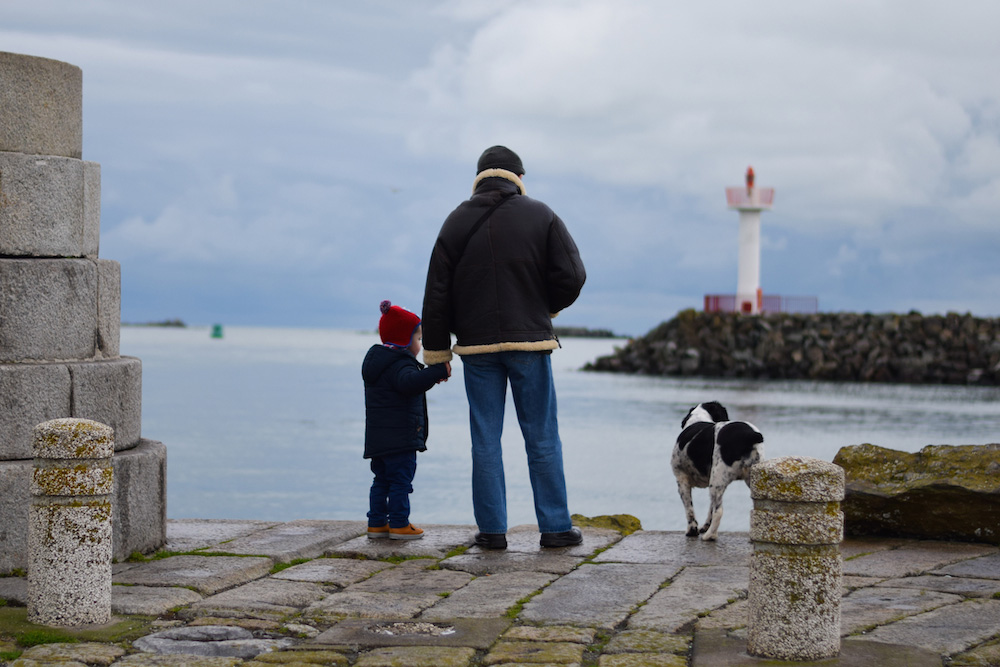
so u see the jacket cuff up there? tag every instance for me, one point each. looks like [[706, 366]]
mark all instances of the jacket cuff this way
[[432, 357]]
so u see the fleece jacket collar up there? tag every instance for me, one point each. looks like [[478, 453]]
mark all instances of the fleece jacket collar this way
[[499, 173]]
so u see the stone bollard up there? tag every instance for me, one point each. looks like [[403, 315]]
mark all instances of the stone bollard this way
[[69, 523], [796, 569]]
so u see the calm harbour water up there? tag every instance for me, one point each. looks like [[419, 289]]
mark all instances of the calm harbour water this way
[[268, 423]]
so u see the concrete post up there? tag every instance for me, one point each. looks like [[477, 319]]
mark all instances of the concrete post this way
[[796, 569], [69, 523]]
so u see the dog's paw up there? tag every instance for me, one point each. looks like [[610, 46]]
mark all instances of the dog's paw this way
[[692, 531], [708, 537]]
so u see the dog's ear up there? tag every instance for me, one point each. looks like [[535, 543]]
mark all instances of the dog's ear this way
[[687, 416]]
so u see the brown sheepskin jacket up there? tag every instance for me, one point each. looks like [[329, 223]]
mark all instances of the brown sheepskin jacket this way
[[519, 269]]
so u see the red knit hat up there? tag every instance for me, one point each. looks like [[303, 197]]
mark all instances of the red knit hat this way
[[397, 325]]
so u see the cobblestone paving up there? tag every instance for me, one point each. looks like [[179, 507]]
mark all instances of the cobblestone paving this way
[[257, 594]]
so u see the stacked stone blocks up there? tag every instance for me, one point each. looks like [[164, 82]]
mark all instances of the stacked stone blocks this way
[[60, 308]]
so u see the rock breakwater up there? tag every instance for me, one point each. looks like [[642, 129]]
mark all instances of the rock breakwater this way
[[856, 347]]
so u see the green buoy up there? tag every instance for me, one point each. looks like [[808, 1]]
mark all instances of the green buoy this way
[[216, 331]]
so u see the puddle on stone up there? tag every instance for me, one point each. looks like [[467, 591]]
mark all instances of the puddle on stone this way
[[412, 628]]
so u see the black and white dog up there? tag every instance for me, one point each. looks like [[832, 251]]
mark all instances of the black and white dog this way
[[714, 452]]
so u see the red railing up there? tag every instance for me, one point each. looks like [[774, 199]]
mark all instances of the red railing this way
[[770, 303]]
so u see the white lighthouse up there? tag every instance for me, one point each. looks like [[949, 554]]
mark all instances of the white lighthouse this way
[[749, 201]]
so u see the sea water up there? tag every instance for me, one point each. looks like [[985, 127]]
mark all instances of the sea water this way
[[268, 423]]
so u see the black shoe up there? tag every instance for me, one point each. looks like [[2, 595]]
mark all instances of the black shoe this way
[[569, 538], [491, 540]]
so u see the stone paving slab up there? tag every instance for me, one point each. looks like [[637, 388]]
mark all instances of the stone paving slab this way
[[293, 540], [913, 558], [150, 600], [348, 603], [983, 567], [717, 648], [14, 589], [340, 572], [551, 633], [268, 598], [867, 607], [597, 595], [90, 653], [964, 586], [560, 653], [175, 660], [209, 641], [295, 656], [420, 656], [642, 660], [856, 546], [693, 591], [480, 562], [488, 596], [986, 654], [675, 548], [731, 617], [947, 630], [850, 582], [438, 541], [648, 641], [192, 534], [413, 578], [206, 574], [479, 633]]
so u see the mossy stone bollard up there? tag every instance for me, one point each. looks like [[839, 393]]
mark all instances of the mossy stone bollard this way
[[796, 568], [69, 523]]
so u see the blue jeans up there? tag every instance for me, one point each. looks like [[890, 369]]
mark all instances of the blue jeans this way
[[530, 377], [389, 499]]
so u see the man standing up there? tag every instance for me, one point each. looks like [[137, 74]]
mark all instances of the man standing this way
[[503, 265]]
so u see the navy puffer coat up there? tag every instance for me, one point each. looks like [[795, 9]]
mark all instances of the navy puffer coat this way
[[395, 401]]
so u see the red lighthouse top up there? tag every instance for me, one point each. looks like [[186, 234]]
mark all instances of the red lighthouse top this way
[[750, 198]]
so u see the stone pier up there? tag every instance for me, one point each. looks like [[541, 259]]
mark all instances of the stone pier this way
[[60, 309]]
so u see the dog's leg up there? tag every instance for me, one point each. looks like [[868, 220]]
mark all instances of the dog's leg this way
[[684, 489], [716, 487]]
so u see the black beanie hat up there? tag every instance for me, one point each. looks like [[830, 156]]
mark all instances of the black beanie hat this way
[[500, 157]]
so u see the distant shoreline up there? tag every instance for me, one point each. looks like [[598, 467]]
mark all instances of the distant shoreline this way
[[176, 323], [584, 332], [566, 332]]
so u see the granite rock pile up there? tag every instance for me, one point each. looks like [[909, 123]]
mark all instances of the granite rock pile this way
[[911, 348]]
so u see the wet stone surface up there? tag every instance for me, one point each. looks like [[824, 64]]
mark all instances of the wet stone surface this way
[[597, 595], [865, 608], [206, 574], [655, 598], [677, 549]]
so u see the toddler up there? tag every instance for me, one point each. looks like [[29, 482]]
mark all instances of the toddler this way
[[396, 420]]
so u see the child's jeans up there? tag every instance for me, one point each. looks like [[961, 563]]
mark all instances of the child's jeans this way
[[389, 500]]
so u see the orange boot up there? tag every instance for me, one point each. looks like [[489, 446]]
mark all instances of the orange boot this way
[[409, 532], [378, 532]]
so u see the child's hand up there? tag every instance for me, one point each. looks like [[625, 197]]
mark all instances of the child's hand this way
[[447, 367]]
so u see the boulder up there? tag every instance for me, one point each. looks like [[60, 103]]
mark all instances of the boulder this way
[[942, 492]]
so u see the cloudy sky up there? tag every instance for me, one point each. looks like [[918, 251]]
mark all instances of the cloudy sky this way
[[290, 163]]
